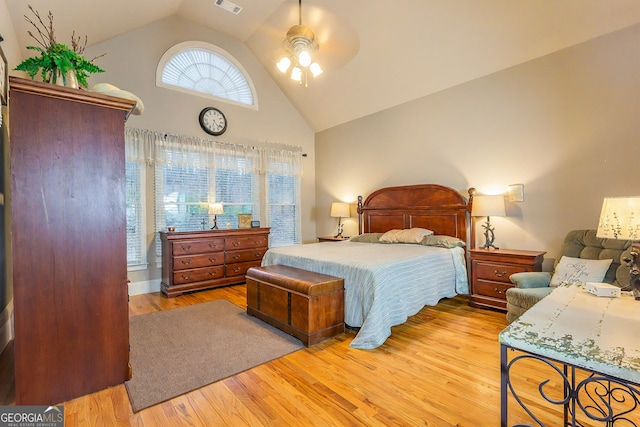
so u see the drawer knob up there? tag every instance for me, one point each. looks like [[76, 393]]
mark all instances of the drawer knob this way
[[504, 273], [186, 276], [213, 245], [185, 248], [212, 259], [212, 273], [236, 269], [186, 262], [235, 244], [498, 291], [258, 254]]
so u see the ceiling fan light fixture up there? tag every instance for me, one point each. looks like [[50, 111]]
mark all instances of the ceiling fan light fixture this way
[[284, 64], [300, 44], [296, 74], [315, 69], [304, 58]]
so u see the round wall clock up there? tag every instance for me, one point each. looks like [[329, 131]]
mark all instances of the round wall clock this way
[[212, 121]]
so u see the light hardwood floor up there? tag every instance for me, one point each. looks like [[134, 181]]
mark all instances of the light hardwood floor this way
[[440, 368]]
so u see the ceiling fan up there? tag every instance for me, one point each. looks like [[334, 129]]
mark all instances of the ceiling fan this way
[[334, 41]]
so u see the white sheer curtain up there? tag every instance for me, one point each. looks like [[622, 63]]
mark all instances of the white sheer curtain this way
[[189, 172]]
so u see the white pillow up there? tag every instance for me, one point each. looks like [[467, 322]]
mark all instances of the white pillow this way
[[579, 270], [411, 235]]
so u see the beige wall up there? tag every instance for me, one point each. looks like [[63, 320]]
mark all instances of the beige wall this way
[[565, 125]]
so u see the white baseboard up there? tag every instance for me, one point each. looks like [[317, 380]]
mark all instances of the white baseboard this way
[[6, 325], [144, 287]]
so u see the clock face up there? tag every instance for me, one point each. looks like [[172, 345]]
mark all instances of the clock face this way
[[213, 121]]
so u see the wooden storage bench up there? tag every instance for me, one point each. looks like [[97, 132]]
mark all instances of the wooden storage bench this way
[[307, 305]]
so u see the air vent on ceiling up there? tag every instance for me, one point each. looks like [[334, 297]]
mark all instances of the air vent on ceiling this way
[[228, 6]]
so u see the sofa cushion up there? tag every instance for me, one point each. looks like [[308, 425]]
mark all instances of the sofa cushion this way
[[531, 279]]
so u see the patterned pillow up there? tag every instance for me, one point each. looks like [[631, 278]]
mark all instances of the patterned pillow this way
[[411, 235], [571, 270]]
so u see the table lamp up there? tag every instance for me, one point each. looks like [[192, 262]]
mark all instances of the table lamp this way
[[215, 209], [488, 206], [620, 219], [340, 210]]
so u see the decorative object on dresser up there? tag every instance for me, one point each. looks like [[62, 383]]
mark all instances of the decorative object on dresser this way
[[68, 261], [196, 260], [340, 210], [620, 220], [488, 206], [215, 209], [244, 220], [490, 271]]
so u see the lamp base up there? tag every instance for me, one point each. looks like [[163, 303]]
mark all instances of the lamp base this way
[[634, 272], [215, 223], [489, 236]]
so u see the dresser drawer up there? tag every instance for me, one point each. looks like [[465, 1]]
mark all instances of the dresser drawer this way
[[497, 272], [198, 274], [491, 289], [242, 256], [236, 243], [240, 268], [195, 261], [197, 247]]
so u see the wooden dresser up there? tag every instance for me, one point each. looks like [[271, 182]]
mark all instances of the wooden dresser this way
[[195, 260], [67, 262], [490, 271]]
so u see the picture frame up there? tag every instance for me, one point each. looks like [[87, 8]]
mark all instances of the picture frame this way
[[244, 220], [255, 224], [4, 78]]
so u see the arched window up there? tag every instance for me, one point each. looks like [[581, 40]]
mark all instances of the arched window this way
[[206, 70]]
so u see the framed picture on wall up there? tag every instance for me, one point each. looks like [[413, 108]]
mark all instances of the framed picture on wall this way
[[244, 220], [4, 77]]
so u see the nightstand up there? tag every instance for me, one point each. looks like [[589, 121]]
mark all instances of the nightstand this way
[[490, 271], [332, 239]]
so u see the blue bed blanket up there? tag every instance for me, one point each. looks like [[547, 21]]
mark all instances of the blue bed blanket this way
[[384, 283]]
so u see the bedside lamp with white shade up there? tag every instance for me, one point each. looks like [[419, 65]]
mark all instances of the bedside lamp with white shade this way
[[620, 219], [488, 206], [340, 210]]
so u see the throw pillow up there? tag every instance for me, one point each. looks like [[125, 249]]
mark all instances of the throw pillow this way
[[442, 241], [571, 270], [367, 238], [411, 235]]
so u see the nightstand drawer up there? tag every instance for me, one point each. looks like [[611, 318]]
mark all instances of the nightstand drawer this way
[[497, 272], [492, 289]]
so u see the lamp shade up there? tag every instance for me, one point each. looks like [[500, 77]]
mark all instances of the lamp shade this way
[[215, 208], [488, 206], [340, 210], [620, 218]]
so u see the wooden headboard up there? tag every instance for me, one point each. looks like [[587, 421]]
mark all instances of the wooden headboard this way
[[431, 206]]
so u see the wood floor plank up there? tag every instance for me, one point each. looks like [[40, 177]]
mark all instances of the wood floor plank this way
[[440, 368]]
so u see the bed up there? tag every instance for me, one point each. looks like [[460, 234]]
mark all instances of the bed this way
[[387, 283]]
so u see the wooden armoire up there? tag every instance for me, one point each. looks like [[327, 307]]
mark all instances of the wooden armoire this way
[[67, 229]]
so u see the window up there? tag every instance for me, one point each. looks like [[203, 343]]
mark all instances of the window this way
[[136, 248], [204, 69], [189, 173], [284, 209]]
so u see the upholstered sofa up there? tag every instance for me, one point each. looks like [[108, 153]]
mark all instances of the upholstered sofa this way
[[531, 287]]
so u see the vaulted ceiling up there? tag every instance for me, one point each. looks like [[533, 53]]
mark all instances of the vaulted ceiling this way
[[375, 53]]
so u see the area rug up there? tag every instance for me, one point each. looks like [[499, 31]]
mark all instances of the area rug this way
[[179, 350]]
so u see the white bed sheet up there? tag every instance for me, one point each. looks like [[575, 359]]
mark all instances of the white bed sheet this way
[[384, 283]]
